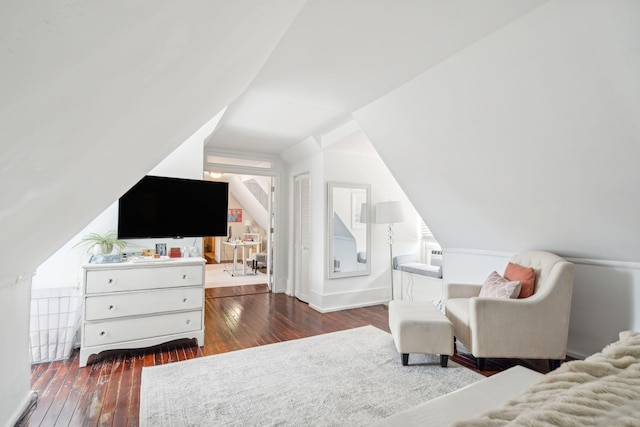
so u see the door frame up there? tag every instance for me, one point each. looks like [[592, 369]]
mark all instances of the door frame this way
[[276, 236]]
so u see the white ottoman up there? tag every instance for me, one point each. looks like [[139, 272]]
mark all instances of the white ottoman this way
[[419, 327]]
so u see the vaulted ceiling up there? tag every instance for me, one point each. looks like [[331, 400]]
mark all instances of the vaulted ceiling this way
[[338, 56], [95, 94]]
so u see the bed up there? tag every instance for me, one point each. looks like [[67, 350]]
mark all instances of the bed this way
[[602, 390]]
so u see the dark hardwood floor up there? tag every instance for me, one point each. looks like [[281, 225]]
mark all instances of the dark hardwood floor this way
[[106, 391]]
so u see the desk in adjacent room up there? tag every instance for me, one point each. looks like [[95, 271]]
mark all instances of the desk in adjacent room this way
[[243, 244]]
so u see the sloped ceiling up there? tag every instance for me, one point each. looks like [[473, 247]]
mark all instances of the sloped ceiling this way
[[338, 56], [528, 139], [95, 94]]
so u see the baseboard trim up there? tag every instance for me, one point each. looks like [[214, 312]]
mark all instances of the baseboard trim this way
[[477, 252], [326, 303], [29, 403], [348, 307], [576, 260], [629, 265]]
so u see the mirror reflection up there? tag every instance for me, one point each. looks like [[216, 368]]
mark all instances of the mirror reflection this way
[[348, 240]]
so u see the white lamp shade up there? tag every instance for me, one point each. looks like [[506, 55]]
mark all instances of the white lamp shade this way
[[389, 212], [247, 223]]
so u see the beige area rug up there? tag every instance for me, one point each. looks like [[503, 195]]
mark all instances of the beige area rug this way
[[347, 378], [215, 276]]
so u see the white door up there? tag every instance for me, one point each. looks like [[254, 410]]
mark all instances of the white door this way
[[301, 236]]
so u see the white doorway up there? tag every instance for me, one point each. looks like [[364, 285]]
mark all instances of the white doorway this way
[[251, 212]]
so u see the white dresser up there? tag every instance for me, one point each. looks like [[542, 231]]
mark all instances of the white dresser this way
[[141, 304]]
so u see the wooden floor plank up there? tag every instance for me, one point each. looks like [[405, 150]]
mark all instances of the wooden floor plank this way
[[67, 373], [107, 391], [84, 385]]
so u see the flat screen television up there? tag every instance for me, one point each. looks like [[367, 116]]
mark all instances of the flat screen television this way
[[173, 208]]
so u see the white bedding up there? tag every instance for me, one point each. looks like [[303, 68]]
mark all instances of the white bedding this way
[[602, 390]]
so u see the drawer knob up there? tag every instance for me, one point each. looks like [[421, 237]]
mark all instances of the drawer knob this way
[[184, 299], [184, 276], [102, 333], [110, 281], [111, 307], [188, 322]]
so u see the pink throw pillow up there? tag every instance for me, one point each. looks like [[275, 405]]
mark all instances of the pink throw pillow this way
[[497, 286]]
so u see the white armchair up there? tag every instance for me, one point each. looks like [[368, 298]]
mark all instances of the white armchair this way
[[536, 327]]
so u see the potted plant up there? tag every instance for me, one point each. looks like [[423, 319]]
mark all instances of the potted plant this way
[[102, 244]]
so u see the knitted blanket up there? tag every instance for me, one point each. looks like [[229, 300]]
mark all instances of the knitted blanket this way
[[602, 390]]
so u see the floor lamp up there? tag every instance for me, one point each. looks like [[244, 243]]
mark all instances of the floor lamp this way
[[389, 213]]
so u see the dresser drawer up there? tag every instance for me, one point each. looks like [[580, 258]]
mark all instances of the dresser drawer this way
[[137, 303], [121, 330], [114, 280]]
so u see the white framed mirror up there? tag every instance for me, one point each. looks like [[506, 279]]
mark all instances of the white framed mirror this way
[[348, 230]]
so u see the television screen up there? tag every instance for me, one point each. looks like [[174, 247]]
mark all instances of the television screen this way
[[173, 208]]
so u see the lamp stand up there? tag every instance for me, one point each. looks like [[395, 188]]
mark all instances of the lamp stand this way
[[390, 240], [389, 213]]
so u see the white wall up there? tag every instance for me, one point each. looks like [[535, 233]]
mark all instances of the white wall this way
[[369, 169], [99, 96], [15, 394], [529, 139], [606, 300], [335, 164], [62, 269]]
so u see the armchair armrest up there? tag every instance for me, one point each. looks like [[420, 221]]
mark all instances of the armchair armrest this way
[[461, 290], [498, 324]]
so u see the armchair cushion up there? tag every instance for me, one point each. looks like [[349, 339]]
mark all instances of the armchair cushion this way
[[525, 275], [497, 286]]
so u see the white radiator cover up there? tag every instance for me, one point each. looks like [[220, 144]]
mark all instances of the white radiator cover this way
[[430, 253], [55, 320]]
